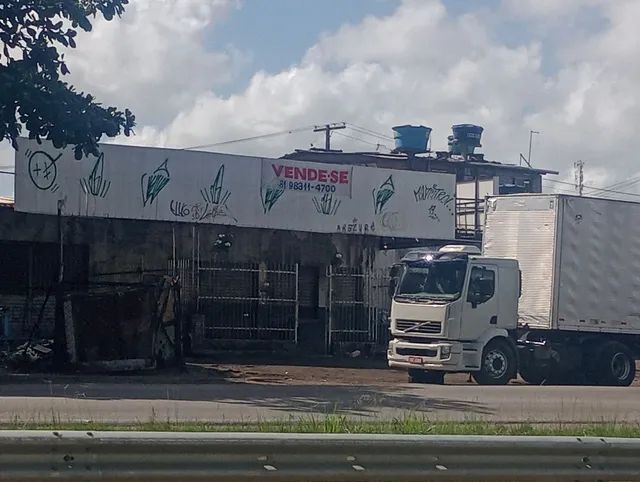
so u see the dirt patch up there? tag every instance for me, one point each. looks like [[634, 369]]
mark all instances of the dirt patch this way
[[324, 371], [322, 375]]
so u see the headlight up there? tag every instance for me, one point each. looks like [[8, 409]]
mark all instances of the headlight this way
[[445, 351]]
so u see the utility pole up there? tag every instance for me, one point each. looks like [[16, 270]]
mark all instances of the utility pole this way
[[578, 168], [59, 330], [327, 128], [531, 133]]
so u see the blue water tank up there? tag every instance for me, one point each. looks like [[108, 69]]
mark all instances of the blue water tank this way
[[465, 138], [411, 139]]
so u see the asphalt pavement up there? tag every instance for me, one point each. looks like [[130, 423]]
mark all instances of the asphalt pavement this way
[[233, 401]]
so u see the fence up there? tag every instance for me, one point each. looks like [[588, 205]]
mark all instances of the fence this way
[[248, 301], [185, 270], [358, 308], [469, 218], [264, 302], [82, 455]]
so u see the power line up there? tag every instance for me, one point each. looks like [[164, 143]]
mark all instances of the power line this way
[[252, 138], [377, 145], [595, 188], [371, 132], [624, 184], [11, 173]]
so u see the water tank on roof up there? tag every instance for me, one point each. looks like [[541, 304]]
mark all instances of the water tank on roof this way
[[411, 139], [465, 138]]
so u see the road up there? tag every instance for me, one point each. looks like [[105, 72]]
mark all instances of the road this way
[[238, 401]]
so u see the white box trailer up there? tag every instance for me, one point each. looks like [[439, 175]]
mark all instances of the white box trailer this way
[[579, 259], [554, 297]]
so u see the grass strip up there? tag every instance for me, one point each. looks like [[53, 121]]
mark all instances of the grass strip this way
[[338, 424]]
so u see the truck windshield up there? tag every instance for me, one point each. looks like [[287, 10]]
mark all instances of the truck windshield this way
[[436, 280]]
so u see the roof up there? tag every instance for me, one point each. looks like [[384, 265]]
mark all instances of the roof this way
[[444, 160]]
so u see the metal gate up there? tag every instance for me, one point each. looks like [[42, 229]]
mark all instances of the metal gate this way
[[358, 308], [251, 302], [185, 271]]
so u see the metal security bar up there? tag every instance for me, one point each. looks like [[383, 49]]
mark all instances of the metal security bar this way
[[184, 269], [82, 455], [359, 307], [249, 301]]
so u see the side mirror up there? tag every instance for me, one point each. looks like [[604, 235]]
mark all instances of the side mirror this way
[[474, 298]]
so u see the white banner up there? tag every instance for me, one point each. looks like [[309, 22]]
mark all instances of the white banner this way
[[201, 187], [308, 177]]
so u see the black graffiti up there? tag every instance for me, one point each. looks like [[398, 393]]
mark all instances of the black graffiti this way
[[153, 183], [199, 211], [432, 213], [179, 209], [433, 193], [356, 227], [43, 170], [327, 204], [96, 184], [383, 194]]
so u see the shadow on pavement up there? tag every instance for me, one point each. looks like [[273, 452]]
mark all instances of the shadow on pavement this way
[[298, 399]]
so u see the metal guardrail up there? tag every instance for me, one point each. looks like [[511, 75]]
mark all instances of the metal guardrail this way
[[150, 456]]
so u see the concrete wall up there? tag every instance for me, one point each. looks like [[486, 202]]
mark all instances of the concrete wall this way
[[117, 245]]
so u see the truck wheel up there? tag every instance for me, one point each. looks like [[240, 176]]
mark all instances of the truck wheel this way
[[616, 366], [425, 376], [498, 364]]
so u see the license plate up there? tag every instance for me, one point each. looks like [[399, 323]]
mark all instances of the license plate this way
[[416, 360]]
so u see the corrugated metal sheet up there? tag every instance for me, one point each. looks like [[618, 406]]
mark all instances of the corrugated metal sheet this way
[[523, 228], [599, 281]]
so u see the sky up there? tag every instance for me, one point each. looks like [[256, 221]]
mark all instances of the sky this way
[[199, 72]]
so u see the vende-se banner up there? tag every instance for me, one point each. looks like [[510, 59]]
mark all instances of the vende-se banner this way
[[307, 177], [205, 187]]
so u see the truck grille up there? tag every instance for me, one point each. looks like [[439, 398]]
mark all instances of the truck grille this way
[[417, 352], [419, 327]]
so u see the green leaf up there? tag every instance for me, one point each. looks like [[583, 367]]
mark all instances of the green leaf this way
[[33, 95]]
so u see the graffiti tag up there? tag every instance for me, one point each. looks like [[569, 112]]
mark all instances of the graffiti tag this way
[[356, 227], [383, 194], [95, 183], [327, 204], [43, 170], [153, 183], [433, 193]]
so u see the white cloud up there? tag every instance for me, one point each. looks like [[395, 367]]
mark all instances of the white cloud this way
[[153, 59], [421, 64]]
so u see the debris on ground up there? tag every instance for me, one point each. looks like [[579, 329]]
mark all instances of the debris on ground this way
[[32, 355]]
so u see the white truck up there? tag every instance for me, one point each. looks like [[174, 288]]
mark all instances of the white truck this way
[[554, 296]]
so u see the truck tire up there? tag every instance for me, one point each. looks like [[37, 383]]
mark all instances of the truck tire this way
[[426, 376], [616, 365], [498, 364]]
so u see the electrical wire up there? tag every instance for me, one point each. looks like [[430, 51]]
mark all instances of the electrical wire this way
[[370, 132], [595, 188], [252, 138], [377, 145], [11, 173], [627, 183]]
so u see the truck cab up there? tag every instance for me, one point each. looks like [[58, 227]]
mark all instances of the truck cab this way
[[453, 311]]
